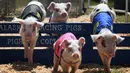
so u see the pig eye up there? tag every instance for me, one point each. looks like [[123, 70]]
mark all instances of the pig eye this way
[[103, 43], [30, 25], [66, 9], [56, 9], [79, 49], [23, 29], [97, 10], [34, 29], [69, 49]]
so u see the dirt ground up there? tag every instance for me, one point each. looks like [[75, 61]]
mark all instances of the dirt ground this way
[[83, 18], [23, 67]]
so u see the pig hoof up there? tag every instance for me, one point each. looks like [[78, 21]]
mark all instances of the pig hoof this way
[[108, 71], [30, 62], [54, 71], [72, 72]]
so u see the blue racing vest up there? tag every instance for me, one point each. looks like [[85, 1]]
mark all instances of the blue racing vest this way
[[102, 20]]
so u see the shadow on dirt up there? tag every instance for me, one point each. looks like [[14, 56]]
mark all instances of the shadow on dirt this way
[[24, 66]]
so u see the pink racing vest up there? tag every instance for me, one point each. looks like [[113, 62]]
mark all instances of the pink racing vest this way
[[58, 48]]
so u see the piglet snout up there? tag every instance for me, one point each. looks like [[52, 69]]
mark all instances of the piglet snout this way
[[28, 36], [111, 54], [64, 14], [75, 55]]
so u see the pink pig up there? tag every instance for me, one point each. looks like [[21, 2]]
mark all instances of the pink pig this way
[[32, 15], [60, 11], [67, 52]]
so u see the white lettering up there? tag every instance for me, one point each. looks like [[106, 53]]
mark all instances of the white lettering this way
[[73, 27], [14, 41], [52, 27], [56, 27], [47, 41], [46, 27], [67, 27], [9, 27]]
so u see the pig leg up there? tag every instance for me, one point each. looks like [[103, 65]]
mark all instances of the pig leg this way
[[75, 67], [56, 63], [102, 57], [32, 45], [56, 60], [64, 66], [26, 50], [106, 62]]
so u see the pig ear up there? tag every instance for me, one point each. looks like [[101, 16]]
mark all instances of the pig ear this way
[[81, 41], [96, 37], [39, 24], [68, 4], [64, 43], [118, 38], [15, 19], [51, 6]]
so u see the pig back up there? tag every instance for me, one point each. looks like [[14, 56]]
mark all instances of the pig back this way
[[58, 48], [35, 9]]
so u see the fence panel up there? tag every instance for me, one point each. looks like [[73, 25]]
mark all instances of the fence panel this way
[[45, 56]]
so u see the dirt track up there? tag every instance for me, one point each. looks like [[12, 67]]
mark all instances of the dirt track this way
[[23, 67]]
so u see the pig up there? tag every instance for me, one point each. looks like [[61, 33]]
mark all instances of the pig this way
[[67, 52], [30, 21], [60, 11], [102, 18]]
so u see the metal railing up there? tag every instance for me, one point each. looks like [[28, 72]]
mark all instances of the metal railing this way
[[116, 10]]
